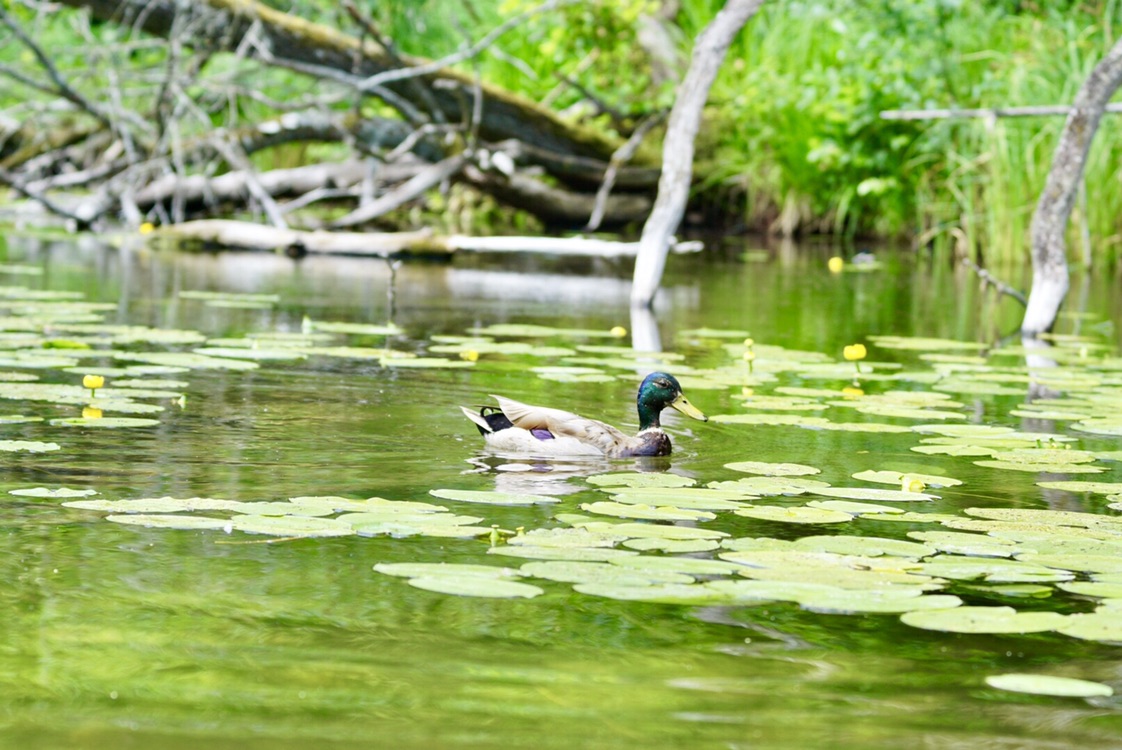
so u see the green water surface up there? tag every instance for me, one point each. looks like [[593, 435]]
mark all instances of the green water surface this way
[[115, 636]]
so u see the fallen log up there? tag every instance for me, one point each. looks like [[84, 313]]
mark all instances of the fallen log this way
[[234, 186], [242, 235], [557, 206]]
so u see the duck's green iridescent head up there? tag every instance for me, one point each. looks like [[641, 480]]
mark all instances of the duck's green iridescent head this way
[[659, 391]]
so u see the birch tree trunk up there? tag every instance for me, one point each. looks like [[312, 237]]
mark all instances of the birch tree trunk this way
[[677, 149], [1049, 223]]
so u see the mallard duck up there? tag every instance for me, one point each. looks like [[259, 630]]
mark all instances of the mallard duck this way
[[520, 428]]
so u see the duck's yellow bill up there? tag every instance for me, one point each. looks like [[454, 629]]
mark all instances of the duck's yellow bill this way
[[684, 406]]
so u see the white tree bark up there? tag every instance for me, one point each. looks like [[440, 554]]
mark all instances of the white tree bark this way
[[1049, 223], [677, 149]]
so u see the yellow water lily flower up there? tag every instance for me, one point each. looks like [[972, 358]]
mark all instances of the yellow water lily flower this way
[[854, 352], [470, 355], [835, 264], [93, 382], [147, 227], [911, 484], [618, 331]]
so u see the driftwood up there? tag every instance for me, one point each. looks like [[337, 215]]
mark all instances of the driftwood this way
[[1048, 110], [1049, 222], [170, 162], [241, 235], [554, 205], [677, 149]]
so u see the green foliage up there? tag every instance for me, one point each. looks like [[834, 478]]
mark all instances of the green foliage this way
[[793, 136], [797, 115]]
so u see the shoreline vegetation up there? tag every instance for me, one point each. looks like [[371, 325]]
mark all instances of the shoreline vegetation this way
[[521, 113]]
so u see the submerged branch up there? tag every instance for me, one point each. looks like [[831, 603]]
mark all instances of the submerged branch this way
[[990, 280]]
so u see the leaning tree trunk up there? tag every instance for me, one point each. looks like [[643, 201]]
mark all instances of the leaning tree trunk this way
[[677, 149], [1049, 223]]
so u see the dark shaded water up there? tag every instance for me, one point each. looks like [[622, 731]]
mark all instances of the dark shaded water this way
[[114, 636]]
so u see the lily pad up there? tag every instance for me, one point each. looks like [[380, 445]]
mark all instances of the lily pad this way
[[896, 478], [1040, 468], [959, 543], [1099, 589], [47, 492], [796, 514], [694, 501], [770, 419], [984, 620], [568, 571], [991, 569], [661, 513], [228, 296], [172, 521], [1103, 626], [1046, 517], [490, 497], [671, 546], [491, 588], [107, 423], [666, 593], [566, 538], [852, 508], [955, 450], [863, 545], [772, 469], [274, 355], [687, 565], [871, 493], [1061, 687], [419, 569], [533, 552], [635, 479], [187, 359], [765, 485], [158, 505], [875, 601], [295, 526], [27, 446], [432, 363], [1099, 488]]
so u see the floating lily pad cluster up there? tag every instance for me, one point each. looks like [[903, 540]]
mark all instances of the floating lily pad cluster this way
[[296, 517], [632, 533]]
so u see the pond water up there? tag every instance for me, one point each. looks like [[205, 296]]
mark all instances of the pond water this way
[[119, 635]]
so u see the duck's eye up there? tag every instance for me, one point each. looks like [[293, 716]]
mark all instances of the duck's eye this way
[[663, 384]]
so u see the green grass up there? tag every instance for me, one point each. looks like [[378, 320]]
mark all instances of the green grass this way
[[793, 136]]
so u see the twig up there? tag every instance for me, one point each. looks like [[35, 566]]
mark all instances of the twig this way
[[380, 79], [621, 156], [407, 191], [13, 182], [61, 86], [991, 280], [236, 157], [952, 114], [367, 25]]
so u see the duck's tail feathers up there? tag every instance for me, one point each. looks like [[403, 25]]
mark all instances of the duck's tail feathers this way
[[489, 419]]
